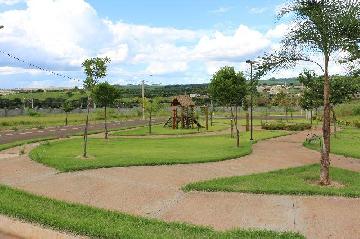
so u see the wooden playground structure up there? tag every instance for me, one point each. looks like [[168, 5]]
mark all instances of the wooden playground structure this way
[[186, 116]]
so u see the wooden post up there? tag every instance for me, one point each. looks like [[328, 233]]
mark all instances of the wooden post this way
[[182, 118], [174, 118], [192, 117]]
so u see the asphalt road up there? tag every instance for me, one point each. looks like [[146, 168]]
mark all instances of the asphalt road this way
[[63, 131]]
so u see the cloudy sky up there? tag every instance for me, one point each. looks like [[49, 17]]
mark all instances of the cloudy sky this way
[[160, 41]]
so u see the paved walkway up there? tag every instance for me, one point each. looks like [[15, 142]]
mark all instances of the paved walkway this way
[[156, 191]]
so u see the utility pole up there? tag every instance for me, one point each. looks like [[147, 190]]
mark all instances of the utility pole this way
[[251, 97], [143, 98]]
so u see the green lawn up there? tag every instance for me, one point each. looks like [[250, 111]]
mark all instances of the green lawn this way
[[346, 142], [65, 155], [22, 142], [161, 130], [295, 181], [99, 223]]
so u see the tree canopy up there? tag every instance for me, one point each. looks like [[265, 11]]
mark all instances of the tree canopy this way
[[342, 89], [228, 87], [95, 69], [105, 94]]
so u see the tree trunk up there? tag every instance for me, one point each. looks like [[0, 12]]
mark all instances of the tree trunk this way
[[232, 122], [66, 118], [207, 117], [211, 114], [86, 128], [334, 119], [106, 129], [150, 122], [236, 126], [325, 158], [311, 118], [247, 121]]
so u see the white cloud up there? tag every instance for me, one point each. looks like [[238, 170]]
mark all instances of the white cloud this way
[[166, 67], [243, 42], [279, 31], [8, 70], [257, 10], [59, 34], [117, 54]]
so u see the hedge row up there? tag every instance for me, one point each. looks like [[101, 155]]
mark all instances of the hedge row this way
[[285, 126]]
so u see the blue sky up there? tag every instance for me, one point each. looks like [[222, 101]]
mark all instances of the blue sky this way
[[190, 14], [176, 42]]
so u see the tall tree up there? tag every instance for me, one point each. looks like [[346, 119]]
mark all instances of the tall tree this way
[[95, 69], [105, 96], [229, 88], [325, 27]]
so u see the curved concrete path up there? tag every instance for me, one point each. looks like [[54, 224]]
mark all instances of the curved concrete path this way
[[155, 191]]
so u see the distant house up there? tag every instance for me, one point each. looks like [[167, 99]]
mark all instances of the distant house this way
[[276, 89]]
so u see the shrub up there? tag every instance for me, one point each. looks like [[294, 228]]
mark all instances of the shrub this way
[[32, 112], [357, 124], [286, 126], [356, 110]]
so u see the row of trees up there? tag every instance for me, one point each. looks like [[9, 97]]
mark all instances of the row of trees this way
[[342, 89], [321, 29], [18, 103]]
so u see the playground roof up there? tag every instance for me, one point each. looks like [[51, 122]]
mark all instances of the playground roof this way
[[182, 100]]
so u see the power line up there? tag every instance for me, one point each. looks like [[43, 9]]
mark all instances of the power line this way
[[12, 56]]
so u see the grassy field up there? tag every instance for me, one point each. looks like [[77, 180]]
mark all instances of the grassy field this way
[[46, 120], [346, 142], [161, 130], [294, 181], [99, 223], [74, 95], [65, 155]]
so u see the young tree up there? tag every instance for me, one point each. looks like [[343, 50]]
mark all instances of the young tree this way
[[105, 96], [229, 88], [67, 106], [342, 89], [95, 69], [152, 106], [326, 27]]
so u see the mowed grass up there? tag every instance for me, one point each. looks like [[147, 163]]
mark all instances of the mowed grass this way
[[294, 181], [346, 142], [161, 130], [46, 120], [65, 155], [99, 223]]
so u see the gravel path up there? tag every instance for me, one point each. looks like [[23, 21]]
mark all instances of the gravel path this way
[[155, 191]]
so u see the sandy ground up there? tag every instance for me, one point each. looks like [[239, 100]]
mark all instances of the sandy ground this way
[[155, 191]]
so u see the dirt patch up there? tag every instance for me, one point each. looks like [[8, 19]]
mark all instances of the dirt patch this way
[[333, 184]]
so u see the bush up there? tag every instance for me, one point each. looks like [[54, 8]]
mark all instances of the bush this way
[[32, 112], [285, 126], [357, 124], [356, 110]]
